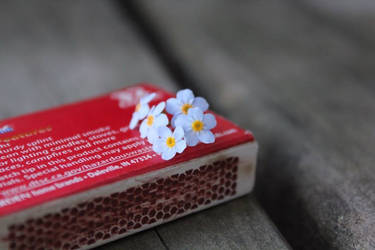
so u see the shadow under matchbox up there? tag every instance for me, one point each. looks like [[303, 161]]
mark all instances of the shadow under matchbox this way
[[76, 176]]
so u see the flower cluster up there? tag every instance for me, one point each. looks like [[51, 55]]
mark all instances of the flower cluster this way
[[190, 123]]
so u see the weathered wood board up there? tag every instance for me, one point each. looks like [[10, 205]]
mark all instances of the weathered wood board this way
[[234, 225], [354, 18], [57, 52], [305, 89]]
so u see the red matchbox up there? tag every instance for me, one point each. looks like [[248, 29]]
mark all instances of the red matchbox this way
[[76, 176]]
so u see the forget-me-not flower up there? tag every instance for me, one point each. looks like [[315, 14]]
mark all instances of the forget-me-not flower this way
[[153, 120], [141, 110], [184, 101], [197, 126], [168, 143]]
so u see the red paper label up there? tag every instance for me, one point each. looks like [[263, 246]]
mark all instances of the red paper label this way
[[76, 147]]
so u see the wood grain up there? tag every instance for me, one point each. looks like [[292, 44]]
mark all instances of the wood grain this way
[[305, 88], [56, 52], [356, 18], [238, 224]]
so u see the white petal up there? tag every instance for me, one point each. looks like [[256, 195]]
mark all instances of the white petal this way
[[180, 146], [163, 145], [173, 120], [178, 133], [161, 120], [150, 111], [201, 103], [179, 120], [195, 114], [206, 136], [157, 146], [148, 98], [191, 139], [143, 111], [173, 106], [168, 154], [143, 129], [185, 96], [134, 121], [164, 132], [152, 135], [209, 121], [183, 121], [158, 109]]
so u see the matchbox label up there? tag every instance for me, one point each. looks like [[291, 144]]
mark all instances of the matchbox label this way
[[73, 148]]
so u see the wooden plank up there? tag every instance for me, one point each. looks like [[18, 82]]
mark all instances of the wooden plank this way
[[56, 52], [355, 18], [144, 240], [239, 224], [305, 89]]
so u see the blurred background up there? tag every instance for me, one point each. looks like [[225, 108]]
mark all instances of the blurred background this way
[[298, 73]]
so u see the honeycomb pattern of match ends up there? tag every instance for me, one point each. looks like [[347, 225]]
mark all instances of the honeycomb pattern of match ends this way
[[130, 210]]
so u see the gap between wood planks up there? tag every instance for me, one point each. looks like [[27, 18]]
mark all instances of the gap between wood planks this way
[[161, 239]]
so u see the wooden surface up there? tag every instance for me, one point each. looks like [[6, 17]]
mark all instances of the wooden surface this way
[[354, 18], [303, 81], [54, 52], [239, 224]]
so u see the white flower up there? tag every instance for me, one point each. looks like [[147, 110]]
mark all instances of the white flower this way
[[141, 110], [197, 126], [153, 120], [168, 143], [183, 102]]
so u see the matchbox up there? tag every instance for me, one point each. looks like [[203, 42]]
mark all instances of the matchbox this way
[[76, 176]]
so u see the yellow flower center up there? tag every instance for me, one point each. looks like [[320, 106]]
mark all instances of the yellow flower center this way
[[185, 108], [150, 120], [138, 107], [197, 125], [171, 142]]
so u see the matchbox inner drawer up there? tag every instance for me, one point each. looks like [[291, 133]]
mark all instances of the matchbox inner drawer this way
[[110, 212]]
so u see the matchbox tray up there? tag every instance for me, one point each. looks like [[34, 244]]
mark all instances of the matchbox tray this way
[[76, 176]]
